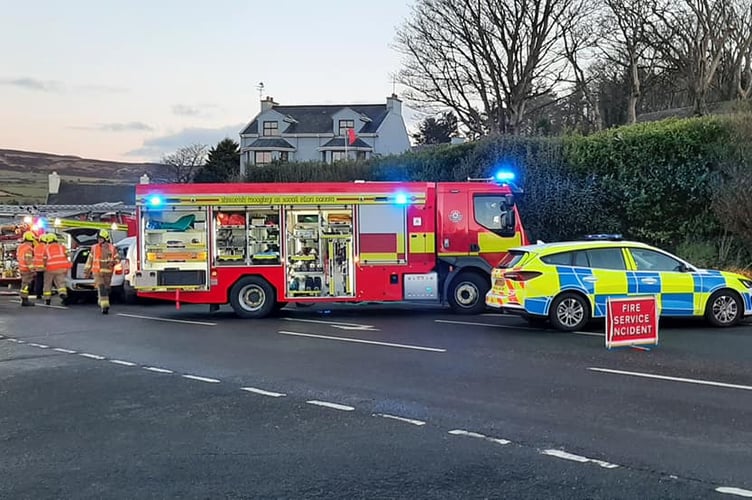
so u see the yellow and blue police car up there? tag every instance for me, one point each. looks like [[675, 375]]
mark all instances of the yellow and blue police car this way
[[569, 283]]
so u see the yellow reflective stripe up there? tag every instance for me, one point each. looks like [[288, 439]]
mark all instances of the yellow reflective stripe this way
[[493, 243], [422, 243], [379, 256]]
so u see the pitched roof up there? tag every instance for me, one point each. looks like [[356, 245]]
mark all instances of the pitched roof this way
[[71, 193], [339, 142], [276, 144], [317, 119]]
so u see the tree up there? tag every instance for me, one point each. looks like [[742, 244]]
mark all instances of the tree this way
[[185, 162], [437, 130], [223, 163], [484, 59]]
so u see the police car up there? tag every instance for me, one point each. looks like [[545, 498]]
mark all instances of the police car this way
[[569, 283]]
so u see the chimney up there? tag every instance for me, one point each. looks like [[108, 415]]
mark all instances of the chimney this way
[[267, 104], [144, 179], [54, 183], [393, 104]]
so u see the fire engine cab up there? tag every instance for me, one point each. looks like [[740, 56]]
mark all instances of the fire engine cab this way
[[261, 246]]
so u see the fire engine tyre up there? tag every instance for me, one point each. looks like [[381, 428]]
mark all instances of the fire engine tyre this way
[[128, 293], [569, 312], [252, 297], [724, 308], [467, 293]]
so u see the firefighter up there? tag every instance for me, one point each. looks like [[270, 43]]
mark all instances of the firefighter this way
[[39, 265], [56, 265], [101, 263], [25, 258]]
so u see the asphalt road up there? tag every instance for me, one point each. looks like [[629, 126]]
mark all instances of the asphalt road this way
[[364, 402]]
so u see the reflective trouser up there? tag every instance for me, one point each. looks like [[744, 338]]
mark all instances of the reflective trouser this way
[[102, 282], [38, 284], [27, 277], [58, 279]]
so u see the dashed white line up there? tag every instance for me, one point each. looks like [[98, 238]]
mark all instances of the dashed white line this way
[[169, 320], [52, 306], [157, 370], [673, 379], [19, 341], [91, 356], [332, 323], [66, 351], [577, 458], [729, 490], [202, 379], [13, 340], [263, 392], [401, 419], [120, 362], [361, 341], [41, 346], [334, 406], [460, 432]]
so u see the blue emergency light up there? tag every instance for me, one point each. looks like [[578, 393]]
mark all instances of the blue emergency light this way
[[504, 176], [155, 201], [400, 199]]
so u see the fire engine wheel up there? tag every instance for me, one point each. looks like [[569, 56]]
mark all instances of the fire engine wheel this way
[[252, 297], [467, 293], [724, 308]]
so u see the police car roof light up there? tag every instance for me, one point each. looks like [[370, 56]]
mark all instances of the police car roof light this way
[[602, 237]]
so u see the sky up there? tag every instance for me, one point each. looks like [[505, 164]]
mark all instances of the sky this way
[[131, 81]]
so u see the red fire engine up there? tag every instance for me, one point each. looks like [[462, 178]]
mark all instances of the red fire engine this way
[[261, 246]]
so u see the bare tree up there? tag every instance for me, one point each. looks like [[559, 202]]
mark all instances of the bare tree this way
[[484, 59], [690, 36], [739, 48], [185, 162]]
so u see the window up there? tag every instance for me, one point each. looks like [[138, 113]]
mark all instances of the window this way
[[495, 212], [338, 156], [606, 258], [284, 156], [262, 157], [271, 128], [558, 259], [511, 259], [650, 260], [361, 155], [344, 125], [580, 259]]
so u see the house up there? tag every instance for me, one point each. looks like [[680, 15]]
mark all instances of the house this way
[[322, 132]]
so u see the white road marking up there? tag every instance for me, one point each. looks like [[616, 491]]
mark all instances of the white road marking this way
[[460, 432], [202, 379], [401, 419], [154, 318], [674, 379], [577, 458], [491, 325], [19, 341], [360, 341], [334, 406], [124, 363], [66, 351], [52, 306], [2, 336], [157, 370], [263, 392], [734, 491], [41, 346], [91, 356], [337, 324], [12, 340]]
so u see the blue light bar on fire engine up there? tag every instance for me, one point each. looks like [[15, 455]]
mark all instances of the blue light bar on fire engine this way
[[400, 199], [155, 200], [504, 176]]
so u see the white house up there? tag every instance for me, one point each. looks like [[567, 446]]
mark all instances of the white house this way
[[320, 132]]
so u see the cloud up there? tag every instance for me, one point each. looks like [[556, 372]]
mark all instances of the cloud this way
[[107, 89], [119, 127], [33, 84], [189, 110], [153, 148]]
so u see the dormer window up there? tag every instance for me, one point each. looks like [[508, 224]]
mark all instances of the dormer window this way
[[271, 129], [345, 125]]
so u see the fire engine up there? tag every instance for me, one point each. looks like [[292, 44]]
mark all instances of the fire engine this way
[[262, 246]]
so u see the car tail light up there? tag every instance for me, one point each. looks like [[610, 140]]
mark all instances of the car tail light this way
[[521, 275], [118, 269], [126, 267]]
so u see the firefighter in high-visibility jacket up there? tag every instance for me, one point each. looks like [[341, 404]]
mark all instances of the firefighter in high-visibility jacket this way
[[25, 258], [56, 265], [101, 263], [40, 250]]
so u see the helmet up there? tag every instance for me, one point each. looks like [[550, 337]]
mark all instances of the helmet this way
[[50, 237], [29, 236], [104, 234]]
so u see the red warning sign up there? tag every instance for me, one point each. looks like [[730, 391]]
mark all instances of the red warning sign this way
[[632, 321]]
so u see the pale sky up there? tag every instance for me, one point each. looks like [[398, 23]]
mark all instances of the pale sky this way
[[132, 80]]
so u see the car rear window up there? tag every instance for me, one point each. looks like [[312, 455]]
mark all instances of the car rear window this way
[[511, 259], [558, 259]]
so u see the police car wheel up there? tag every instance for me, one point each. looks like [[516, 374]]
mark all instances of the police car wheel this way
[[467, 293], [724, 308], [252, 297], [569, 312]]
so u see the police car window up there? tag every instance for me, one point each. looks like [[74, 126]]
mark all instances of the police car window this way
[[558, 259], [649, 260], [580, 259], [606, 258], [493, 213]]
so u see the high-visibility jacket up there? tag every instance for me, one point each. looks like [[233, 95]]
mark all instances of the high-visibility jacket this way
[[56, 257], [25, 257], [102, 258], [40, 252]]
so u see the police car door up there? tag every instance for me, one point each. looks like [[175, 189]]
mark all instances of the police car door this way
[[666, 278]]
